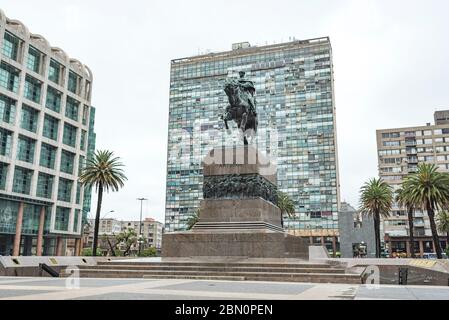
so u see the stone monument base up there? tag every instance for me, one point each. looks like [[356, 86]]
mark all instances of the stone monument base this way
[[234, 243], [238, 217]]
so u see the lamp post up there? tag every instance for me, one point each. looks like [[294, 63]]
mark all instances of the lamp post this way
[[140, 223], [103, 218]]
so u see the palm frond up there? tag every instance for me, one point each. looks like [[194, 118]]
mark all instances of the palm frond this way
[[103, 170], [376, 197]]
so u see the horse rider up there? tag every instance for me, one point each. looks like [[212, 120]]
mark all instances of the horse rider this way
[[248, 86]]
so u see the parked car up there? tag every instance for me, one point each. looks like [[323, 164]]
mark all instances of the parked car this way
[[432, 255]]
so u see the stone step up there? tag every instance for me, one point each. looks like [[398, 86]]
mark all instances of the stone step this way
[[251, 276], [215, 269], [218, 264]]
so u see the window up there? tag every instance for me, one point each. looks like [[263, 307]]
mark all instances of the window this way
[[71, 109], [7, 109], [389, 152], [54, 71], [83, 140], [76, 220], [81, 164], [48, 156], [87, 91], [78, 193], [3, 175], [22, 180], [85, 114], [69, 135], [10, 46], [9, 77], [32, 89], [67, 161], [62, 218], [34, 59], [73, 84], [51, 125], [315, 215], [25, 149], [65, 189], [391, 143], [44, 185], [387, 135], [5, 142], [53, 101], [28, 119]]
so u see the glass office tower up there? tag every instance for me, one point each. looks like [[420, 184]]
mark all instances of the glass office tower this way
[[46, 135], [296, 111]]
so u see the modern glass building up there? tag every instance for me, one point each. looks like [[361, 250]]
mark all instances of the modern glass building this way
[[46, 135], [297, 128]]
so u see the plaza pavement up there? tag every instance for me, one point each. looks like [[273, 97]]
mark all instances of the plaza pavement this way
[[33, 288]]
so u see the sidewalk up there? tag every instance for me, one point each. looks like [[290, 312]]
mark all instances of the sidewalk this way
[[30, 288]]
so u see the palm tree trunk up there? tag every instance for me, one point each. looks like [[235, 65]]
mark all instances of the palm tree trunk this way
[[433, 227], [447, 241], [97, 219], [377, 233], [411, 237]]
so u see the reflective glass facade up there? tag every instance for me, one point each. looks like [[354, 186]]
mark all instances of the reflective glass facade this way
[[296, 112], [7, 109], [40, 131]]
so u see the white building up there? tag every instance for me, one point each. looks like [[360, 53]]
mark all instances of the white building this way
[[46, 133]]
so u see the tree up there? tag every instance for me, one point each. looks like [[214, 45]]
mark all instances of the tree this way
[[111, 244], [104, 171], [193, 219], [376, 198], [429, 190], [126, 239], [443, 225], [403, 199], [285, 203]]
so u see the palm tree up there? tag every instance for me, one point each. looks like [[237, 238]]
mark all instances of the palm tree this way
[[403, 199], [429, 190], [285, 203], [376, 198], [104, 171], [193, 219], [443, 224]]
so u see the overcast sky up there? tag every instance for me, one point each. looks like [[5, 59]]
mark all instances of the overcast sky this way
[[390, 59]]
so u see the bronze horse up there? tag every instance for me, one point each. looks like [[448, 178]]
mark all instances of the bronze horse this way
[[242, 106]]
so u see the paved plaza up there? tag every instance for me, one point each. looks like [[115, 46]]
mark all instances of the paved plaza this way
[[32, 288]]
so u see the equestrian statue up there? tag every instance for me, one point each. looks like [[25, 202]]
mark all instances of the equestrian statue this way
[[242, 106]]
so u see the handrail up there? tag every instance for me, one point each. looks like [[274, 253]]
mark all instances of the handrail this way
[[49, 270]]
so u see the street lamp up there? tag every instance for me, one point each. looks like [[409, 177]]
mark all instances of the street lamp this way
[[108, 213], [140, 224]]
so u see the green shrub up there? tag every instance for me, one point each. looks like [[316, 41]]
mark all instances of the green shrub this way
[[148, 252], [87, 252]]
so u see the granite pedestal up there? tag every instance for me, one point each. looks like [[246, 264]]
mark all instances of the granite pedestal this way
[[238, 216]]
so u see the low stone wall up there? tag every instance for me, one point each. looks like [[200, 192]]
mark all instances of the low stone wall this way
[[420, 271], [28, 266]]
